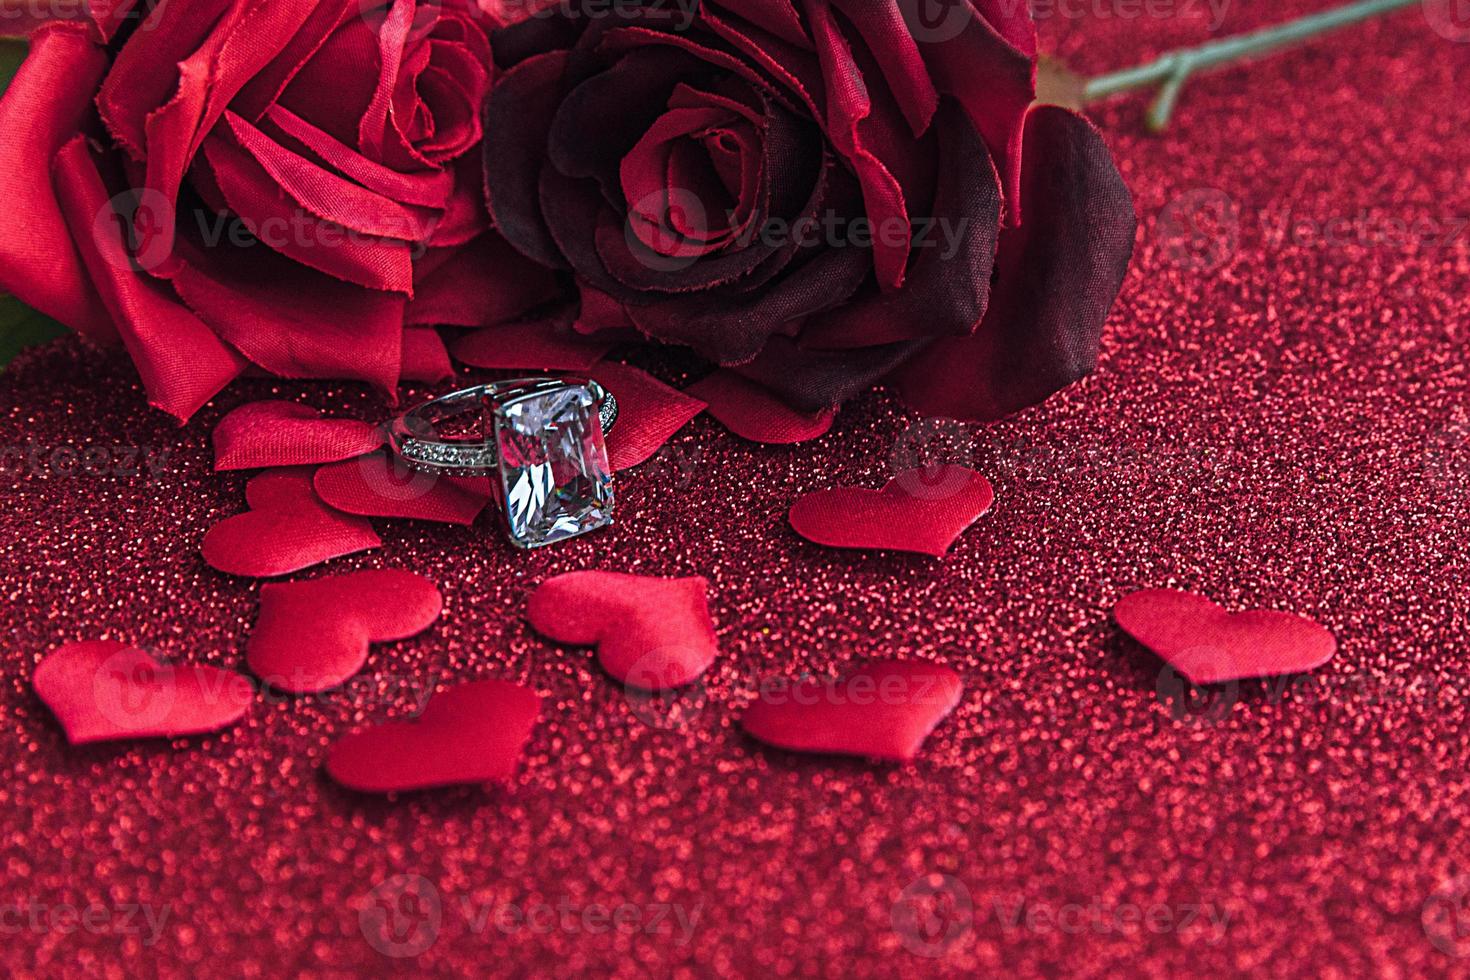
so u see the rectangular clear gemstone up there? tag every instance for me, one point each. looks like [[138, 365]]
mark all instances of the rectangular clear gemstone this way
[[554, 470]]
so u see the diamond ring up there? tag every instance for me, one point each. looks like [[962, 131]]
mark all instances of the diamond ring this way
[[543, 438]]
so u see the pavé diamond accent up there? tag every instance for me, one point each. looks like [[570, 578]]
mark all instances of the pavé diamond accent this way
[[554, 468]]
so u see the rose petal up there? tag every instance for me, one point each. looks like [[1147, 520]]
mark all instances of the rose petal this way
[[279, 433], [287, 529], [649, 412], [312, 636], [474, 733], [1209, 645], [883, 710], [650, 633], [102, 690], [920, 510], [540, 345], [753, 413], [381, 486]]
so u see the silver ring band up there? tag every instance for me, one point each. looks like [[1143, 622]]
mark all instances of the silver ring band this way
[[413, 438]]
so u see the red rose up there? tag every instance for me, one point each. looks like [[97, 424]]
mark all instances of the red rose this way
[[826, 193], [294, 184]]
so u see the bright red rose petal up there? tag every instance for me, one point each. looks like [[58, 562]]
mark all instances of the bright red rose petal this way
[[311, 636], [381, 486], [264, 434], [469, 734], [922, 510], [287, 529], [102, 690], [650, 633], [754, 413], [1209, 645], [649, 412], [538, 346], [882, 710]]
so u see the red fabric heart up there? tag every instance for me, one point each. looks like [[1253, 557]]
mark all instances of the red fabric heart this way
[[649, 412], [382, 486], [1209, 645], [532, 346], [469, 734], [923, 510], [287, 529], [752, 412], [102, 690], [277, 433], [882, 710], [312, 636], [650, 633]]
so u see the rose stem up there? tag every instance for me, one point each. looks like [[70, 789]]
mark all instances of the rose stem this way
[[1170, 71]]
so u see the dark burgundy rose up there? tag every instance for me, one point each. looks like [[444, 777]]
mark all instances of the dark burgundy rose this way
[[824, 193]]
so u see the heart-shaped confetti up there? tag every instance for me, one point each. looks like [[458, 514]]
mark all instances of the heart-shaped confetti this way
[[287, 529], [650, 633], [882, 710], [469, 734], [102, 690], [1209, 645], [922, 510], [380, 485], [649, 412], [752, 412], [276, 433], [314, 635], [538, 346]]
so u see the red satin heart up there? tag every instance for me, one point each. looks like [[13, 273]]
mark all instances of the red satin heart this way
[[469, 734], [1209, 645], [102, 690], [312, 636], [381, 486], [649, 412], [536, 346], [922, 510], [287, 529], [752, 412], [882, 710], [650, 633], [277, 433]]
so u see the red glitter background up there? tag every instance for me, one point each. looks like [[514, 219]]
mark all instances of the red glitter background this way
[[1281, 418]]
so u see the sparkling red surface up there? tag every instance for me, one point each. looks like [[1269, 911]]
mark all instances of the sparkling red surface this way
[[1287, 430]]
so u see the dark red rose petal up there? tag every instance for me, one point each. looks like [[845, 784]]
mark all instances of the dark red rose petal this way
[[541, 346], [102, 690], [650, 633], [279, 433], [425, 358], [649, 412], [469, 734], [921, 510], [1058, 274], [753, 413], [1209, 645], [883, 710], [312, 636], [287, 529], [381, 486]]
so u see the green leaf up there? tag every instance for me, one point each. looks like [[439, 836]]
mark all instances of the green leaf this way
[[12, 53], [22, 327]]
